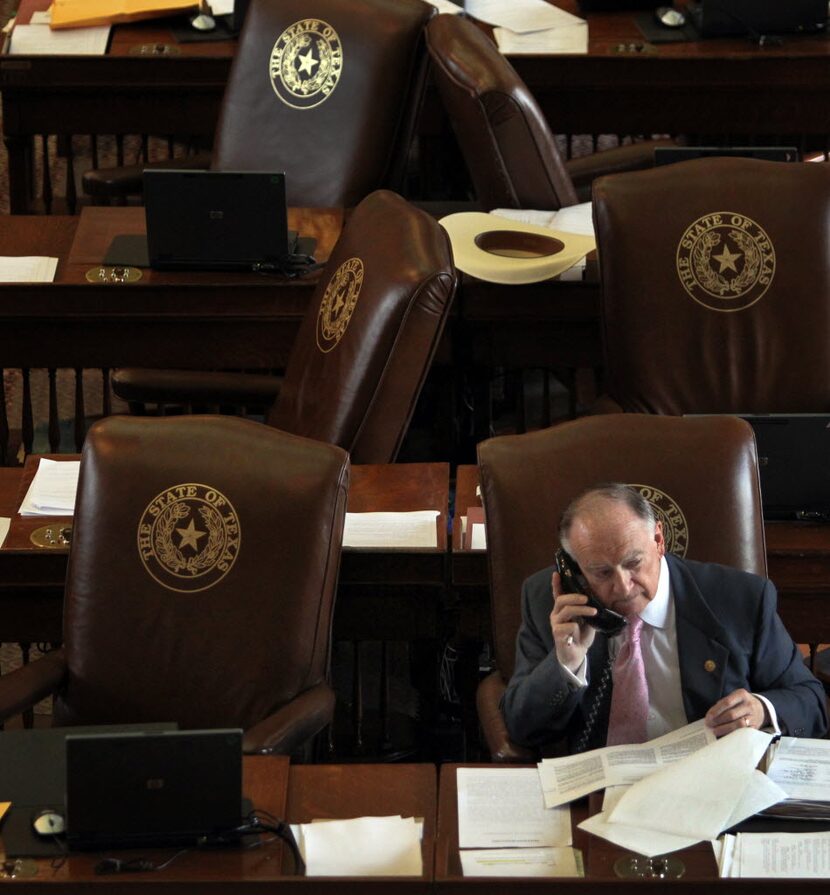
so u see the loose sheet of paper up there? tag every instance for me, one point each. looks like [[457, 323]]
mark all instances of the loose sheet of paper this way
[[5, 523], [504, 808], [521, 15], [568, 39], [478, 536], [415, 529], [568, 778], [362, 846], [37, 40], [521, 862], [802, 768], [27, 269], [775, 855], [53, 489]]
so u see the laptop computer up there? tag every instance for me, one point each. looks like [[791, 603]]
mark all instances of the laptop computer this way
[[794, 461], [152, 789], [216, 220]]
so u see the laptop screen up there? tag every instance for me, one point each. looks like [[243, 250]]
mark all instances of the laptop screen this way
[[203, 220], [152, 788]]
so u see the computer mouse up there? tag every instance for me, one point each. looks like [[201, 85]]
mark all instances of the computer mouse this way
[[203, 22], [48, 822], [670, 17]]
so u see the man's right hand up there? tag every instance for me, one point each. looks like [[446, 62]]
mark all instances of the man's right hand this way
[[571, 636]]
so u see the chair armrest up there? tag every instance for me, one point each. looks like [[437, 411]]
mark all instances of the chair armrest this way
[[289, 729], [24, 687], [127, 180], [488, 697], [194, 387], [631, 157]]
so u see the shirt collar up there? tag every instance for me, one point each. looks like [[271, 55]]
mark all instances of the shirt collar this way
[[657, 610]]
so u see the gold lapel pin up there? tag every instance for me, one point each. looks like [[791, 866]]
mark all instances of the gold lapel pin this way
[[710, 665]]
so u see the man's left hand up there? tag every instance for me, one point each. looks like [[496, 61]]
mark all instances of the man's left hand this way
[[739, 709]]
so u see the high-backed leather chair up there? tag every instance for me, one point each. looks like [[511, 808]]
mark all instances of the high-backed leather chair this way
[[506, 141], [363, 348], [327, 92], [700, 474], [715, 277], [200, 583]]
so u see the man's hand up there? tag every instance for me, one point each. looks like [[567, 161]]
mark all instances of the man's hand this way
[[739, 709], [571, 636]]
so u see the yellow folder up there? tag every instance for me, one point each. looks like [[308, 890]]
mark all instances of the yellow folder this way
[[82, 13]]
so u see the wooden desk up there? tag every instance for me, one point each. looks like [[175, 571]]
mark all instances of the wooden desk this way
[[798, 558], [720, 87], [299, 794], [700, 877]]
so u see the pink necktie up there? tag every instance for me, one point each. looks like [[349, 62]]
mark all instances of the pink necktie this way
[[629, 697]]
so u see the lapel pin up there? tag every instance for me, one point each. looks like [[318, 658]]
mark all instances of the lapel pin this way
[[710, 665]]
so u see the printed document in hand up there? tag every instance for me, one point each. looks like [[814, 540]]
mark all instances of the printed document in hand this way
[[361, 846], [504, 808], [53, 489], [568, 778], [410, 530], [718, 786]]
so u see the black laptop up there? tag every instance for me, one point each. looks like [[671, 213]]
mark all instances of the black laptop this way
[[153, 789], [794, 460], [216, 220]]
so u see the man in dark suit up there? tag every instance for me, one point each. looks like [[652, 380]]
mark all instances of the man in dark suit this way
[[712, 643]]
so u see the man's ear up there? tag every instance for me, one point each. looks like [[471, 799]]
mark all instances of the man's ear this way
[[659, 539]]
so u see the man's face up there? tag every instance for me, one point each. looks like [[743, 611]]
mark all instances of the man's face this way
[[618, 554]]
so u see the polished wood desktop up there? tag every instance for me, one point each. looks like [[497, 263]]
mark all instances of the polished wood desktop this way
[[700, 874], [148, 83], [798, 560], [299, 794]]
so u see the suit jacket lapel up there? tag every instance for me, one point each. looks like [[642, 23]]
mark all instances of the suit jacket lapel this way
[[700, 636]]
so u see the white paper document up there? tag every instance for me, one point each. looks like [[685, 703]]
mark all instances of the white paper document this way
[[362, 846], [521, 862], [504, 808], [775, 855], [35, 40], [802, 768], [478, 536], [27, 269], [53, 489], [568, 778], [521, 15], [5, 523], [410, 530], [569, 39]]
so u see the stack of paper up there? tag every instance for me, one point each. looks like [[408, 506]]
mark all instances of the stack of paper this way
[[718, 787], [801, 768], [415, 529], [53, 489], [361, 846], [31, 268], [774, 855], [531, 26], [504, 828]]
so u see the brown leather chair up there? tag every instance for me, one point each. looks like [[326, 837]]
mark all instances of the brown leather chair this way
[[504, 137], [365, 344], [327, 92], [715, 277], [200, 583], [701, 475]]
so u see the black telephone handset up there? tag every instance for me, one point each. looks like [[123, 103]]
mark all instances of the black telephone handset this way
[[573, 581]]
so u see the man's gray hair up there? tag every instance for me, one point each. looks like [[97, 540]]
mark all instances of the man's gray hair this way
[[616, 492]]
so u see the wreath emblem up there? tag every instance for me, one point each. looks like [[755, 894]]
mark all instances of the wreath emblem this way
[[188, 537], [668, 512], [338, 303], [725, 261], [306, 63]]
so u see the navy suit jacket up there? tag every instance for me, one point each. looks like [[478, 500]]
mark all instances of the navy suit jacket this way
[[729, 635]]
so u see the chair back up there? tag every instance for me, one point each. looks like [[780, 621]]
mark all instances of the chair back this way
[[506, 141], [202, 574], [365, 345], [700, 474], [715, 277], [327, 92]]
